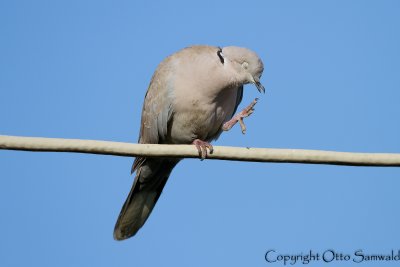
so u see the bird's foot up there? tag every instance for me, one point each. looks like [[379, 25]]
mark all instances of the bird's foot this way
[[202, 148], [239, 117]]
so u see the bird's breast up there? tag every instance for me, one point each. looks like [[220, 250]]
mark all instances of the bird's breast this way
[[195, 118]]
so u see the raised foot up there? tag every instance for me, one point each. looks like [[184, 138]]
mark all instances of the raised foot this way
[[202, 148], [239, 117]]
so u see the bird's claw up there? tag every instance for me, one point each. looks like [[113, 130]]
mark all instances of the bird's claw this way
[[239, 117], [202, 147]]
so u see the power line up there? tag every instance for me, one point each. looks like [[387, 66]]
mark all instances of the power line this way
[[190, 151]]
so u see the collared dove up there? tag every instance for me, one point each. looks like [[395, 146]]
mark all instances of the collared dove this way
[[191, 99]]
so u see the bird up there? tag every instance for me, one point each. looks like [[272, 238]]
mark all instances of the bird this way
[[191, 99]]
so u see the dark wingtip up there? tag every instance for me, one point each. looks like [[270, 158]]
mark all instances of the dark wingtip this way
[[122, 233], [118, 236]]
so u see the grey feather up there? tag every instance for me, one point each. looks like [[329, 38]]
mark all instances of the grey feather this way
[[191, 94]]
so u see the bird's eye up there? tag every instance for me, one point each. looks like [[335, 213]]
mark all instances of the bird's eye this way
[[245, 65], [221, 56]]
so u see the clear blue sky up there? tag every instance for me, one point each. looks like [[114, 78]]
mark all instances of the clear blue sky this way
[[80, 69]]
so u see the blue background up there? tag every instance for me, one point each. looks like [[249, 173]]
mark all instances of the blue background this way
[[80, 69]]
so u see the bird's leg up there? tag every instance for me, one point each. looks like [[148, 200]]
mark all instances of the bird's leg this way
[[202, 148], [239, 117]]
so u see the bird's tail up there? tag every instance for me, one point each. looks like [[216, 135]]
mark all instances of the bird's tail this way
[[151, 176]]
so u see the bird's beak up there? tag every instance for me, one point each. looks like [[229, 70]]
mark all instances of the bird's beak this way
[[259, 86]]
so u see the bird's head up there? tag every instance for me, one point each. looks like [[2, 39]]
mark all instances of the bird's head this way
[[246, 63]]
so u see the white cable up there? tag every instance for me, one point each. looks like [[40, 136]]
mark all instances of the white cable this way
[[190, 151]]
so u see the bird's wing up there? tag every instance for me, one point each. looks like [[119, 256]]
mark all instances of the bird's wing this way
[[156, 112], [238, 99]]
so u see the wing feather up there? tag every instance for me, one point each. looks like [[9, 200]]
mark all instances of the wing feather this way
[[156, 113]]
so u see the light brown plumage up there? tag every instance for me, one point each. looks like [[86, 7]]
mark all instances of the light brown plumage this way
[[191, 95]]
